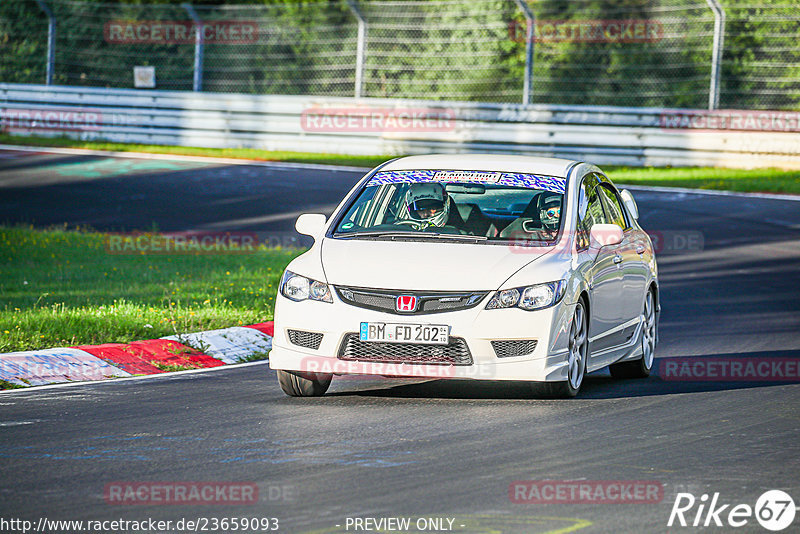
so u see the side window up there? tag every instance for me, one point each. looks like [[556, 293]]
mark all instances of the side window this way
[[357, 212], [616, 213], [371, 207], [590, 210]]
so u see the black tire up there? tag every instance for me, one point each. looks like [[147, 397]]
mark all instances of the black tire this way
[[642, 367], [626, 370], [297, 384], [578, 353], [554, 390]]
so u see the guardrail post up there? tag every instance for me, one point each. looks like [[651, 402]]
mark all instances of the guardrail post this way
[[51, 40], [716, 56], [527, 86], [197, 81], [361, 47]]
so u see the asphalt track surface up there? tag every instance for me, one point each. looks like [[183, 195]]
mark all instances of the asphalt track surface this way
[[379, 447]]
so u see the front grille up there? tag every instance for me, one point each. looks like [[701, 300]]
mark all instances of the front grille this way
[[454, 353], [428, 301], [513, 347], [309, 340], [434, 305], [381, 302]]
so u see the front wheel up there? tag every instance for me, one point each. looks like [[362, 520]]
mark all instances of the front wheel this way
[[578, 352], [297, 384], [642, 367]]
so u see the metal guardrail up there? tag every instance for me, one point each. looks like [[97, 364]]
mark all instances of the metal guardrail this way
[[604, 135]]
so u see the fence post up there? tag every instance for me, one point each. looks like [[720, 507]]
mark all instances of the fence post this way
[[51, 40], [527, 86], [197, 82], [361, 47], [716, 55]]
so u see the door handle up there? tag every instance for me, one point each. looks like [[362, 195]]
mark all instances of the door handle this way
[[617, 258], [640, 249]]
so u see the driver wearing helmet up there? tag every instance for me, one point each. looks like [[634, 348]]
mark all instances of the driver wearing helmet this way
[[428, 205], [550, 215]]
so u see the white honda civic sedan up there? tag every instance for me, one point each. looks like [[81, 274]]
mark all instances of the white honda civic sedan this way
[[471, 266]]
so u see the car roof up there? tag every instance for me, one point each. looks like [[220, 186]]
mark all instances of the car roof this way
[[483, 162]]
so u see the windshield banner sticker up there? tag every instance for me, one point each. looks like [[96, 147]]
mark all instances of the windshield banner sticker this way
[[466, 176], [509, 179]]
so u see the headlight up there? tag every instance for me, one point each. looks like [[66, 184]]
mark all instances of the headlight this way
[[297, 288], [529, 298]]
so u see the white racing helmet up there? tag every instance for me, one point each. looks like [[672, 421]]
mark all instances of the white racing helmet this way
[[422, 199], [550, 211]]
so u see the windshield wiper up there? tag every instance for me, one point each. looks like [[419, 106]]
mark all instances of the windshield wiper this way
[[379, 233], [425, 235], [454, 236]]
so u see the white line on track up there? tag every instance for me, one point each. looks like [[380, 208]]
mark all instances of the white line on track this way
[[18, 423]]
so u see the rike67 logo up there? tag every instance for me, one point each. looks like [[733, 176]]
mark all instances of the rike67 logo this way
[[774, 510]]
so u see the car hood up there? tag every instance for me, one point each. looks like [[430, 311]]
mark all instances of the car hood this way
[[421, 265]]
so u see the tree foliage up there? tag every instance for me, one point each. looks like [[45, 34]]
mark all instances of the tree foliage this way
[[434, 49]]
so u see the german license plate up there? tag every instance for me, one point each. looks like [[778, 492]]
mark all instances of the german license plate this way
[[424, 334]]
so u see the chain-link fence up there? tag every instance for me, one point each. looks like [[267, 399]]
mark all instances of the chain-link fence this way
[[599, 52]]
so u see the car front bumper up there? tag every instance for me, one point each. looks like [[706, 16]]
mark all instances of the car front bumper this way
[[477, 326]]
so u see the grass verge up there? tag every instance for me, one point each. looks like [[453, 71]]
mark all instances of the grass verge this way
[[169, 368], [254, 357], [744, 180], [60, 287], [4, 384]]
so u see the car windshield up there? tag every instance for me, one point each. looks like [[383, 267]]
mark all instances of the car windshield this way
[[476, 205]]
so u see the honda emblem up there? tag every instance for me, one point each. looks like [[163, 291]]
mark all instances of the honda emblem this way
[[406, 303]]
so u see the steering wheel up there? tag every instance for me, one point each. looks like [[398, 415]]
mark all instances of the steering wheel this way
[[529, 226], [442, 229], [406, 221]]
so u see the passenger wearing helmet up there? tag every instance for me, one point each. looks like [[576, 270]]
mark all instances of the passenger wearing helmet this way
[[428, 205], [550, 214]]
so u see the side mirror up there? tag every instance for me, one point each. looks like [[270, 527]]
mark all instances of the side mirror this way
[[311, 224], [603, 235], [627, 198]]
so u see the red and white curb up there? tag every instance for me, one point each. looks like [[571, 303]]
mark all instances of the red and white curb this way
[[229, 345], [197, 350]]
